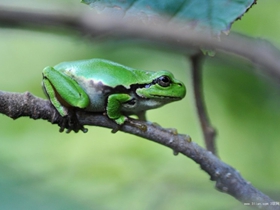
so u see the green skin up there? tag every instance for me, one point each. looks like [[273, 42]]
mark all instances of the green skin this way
[[99, 85]]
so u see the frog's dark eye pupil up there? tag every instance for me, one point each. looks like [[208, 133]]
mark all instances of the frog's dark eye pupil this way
[[131, 102], [164, 81]]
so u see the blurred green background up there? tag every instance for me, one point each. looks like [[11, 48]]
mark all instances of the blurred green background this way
[[41, 168]]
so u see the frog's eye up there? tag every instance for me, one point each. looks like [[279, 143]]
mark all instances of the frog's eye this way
[[163, 81]]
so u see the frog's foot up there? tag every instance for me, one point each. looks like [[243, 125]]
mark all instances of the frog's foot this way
[[71, 123], [116, 129], [119, 122]]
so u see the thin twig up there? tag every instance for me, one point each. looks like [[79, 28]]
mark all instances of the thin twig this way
[[209, 132]]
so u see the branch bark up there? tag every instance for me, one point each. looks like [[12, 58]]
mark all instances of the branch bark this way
[[226, 178], [259, 51]]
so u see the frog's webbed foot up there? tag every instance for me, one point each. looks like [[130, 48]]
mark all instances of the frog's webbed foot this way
[[119, 122], [116, 128], [70, 122]]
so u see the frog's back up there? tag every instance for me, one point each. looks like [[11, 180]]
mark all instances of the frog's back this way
[[100, 70]]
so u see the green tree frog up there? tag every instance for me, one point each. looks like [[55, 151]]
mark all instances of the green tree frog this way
[[99, 85]]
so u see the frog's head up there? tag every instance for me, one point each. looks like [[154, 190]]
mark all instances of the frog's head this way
[[163, 88]]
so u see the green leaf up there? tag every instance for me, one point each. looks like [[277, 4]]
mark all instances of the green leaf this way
[[196, 14]]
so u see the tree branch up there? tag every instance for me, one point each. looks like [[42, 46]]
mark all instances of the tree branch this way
[[227, 179], [174, 36]]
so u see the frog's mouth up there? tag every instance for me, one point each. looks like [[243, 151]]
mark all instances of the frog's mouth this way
[[165, 97]]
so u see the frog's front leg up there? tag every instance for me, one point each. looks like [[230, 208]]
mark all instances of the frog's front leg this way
[[114, 104]]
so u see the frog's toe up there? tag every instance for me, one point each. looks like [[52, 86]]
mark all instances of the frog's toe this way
[[85, 130], [121, 120], [61, 129], [71, 123]]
